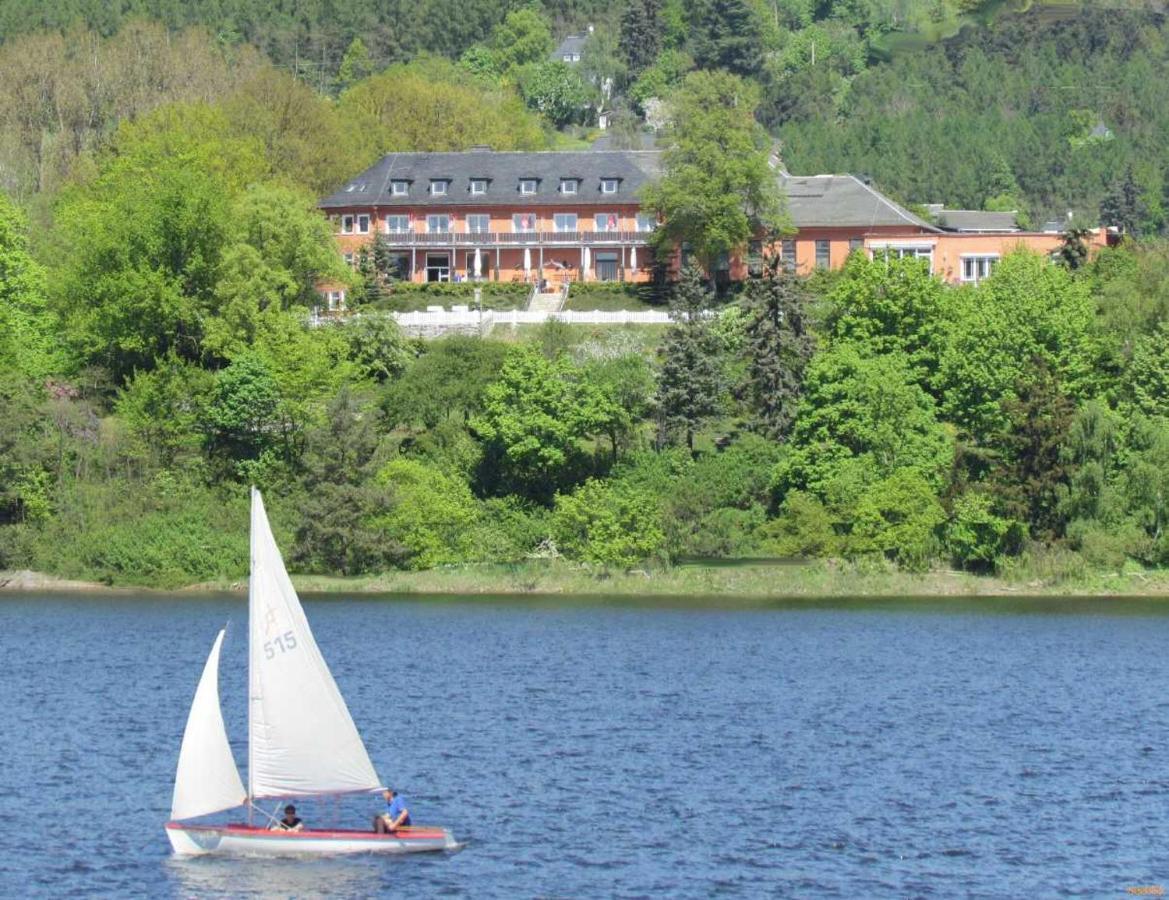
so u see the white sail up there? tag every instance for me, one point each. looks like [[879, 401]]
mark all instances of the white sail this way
[[302, 739], [207, 779]]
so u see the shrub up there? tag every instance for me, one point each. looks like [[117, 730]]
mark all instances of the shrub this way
[[976, 536], [608, 524]]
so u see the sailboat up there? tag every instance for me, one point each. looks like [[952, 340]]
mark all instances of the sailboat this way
[[301, 739]]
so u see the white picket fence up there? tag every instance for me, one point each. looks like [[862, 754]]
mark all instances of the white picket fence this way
[[462, 318]]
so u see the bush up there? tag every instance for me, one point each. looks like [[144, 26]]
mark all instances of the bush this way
[[508, 530], [803, 528], [976, 536], [432, 513], [899, 517], [608, 524], [407, 296]]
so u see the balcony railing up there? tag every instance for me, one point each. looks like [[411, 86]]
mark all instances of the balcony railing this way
[[515, 239]]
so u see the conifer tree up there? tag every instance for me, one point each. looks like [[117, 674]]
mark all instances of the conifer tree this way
[[778, 347], [641, 34], [728, 35], [692, 381]]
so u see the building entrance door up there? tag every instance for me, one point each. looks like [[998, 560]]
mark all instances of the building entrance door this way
[[438, 267], [607, 267]]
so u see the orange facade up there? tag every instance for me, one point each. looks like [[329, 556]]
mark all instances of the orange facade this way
[[562, 243]]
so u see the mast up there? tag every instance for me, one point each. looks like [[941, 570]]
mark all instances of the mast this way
[[251, 631]]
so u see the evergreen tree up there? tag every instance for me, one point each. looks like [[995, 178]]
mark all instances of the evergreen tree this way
[[692, 381], [1123, 206], [641, 34], [728, 35], [1033, 474], [779, 346], [338, 529], [1073, 252]]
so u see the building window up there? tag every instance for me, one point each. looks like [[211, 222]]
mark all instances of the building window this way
[[568, 185], [527, 185], [976, 268], [478, 185], [397, 224], [823, 254], [399, 188], [907, 251], [755, 258], [564, 222], [335, 300], [523, 223], [438, 187], [478, 224], [646, 221], [363, 224], [348, 257], [347, 224], [438, 224], [787, 253], [608, 185], [605, 222], [855, 244]]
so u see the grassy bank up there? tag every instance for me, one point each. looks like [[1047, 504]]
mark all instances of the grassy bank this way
[[742, 582]]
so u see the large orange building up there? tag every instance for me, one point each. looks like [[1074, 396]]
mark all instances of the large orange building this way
[[576, 216]]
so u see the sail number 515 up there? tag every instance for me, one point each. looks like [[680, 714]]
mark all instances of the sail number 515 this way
[[282, 644]]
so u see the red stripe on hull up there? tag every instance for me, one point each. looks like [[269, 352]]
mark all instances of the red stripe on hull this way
[[414, 832]]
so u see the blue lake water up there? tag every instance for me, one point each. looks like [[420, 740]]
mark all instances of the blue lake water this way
[[595, 749]]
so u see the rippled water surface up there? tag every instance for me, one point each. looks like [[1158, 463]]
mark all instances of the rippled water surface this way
[[583, 750]]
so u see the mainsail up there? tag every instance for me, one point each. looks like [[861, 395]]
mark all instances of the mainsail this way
[[302, 739], [207, 780]]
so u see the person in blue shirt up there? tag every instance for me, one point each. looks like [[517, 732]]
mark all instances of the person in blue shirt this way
[[397, 814]]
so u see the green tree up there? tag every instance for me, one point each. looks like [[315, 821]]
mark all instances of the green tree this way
[[641, 34], [900, 517], [1124, 206], [432, 516], [532, 422], [554, 89], [244, 415], [25, 334], [976, 535], [717, 189], [448, 379], [377, 346], [728, 35], [1031, 479], [607, 524], [887, 305], [522, 37], [1148, 373], [692, 380], [862, 418], [355, 64], [779, 345], [338, 518], [166, 408]]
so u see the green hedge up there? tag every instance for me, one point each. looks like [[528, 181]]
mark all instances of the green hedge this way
[[408, 296]]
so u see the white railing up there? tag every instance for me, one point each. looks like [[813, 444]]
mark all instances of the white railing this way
[[460, 318]]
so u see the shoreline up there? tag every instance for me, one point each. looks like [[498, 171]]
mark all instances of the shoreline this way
[[746, 582]]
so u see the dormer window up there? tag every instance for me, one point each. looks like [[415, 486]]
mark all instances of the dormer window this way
[[438, 187], [400, 188], [527, 185], [478, 185], [608, 185], [568, 185]]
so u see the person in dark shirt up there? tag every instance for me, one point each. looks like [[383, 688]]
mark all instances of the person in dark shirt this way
[[397, 814], [290, 822]]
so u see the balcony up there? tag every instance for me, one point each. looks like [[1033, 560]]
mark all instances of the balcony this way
[[518, 239]]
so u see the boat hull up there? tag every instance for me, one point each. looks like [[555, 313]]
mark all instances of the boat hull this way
[[244, 840]]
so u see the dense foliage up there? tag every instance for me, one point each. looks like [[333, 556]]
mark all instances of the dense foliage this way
[[159, 251]]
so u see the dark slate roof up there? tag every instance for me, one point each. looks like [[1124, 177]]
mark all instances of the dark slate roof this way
[[572, 44], [503, 171], [977, 220], [825, 201]]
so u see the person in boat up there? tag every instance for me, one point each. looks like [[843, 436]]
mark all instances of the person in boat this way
[[396, 816], [290, 822]]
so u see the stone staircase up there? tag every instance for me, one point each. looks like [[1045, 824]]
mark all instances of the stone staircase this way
[[551, 301]]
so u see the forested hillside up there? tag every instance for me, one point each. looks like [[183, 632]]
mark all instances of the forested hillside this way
[[159, 248]]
